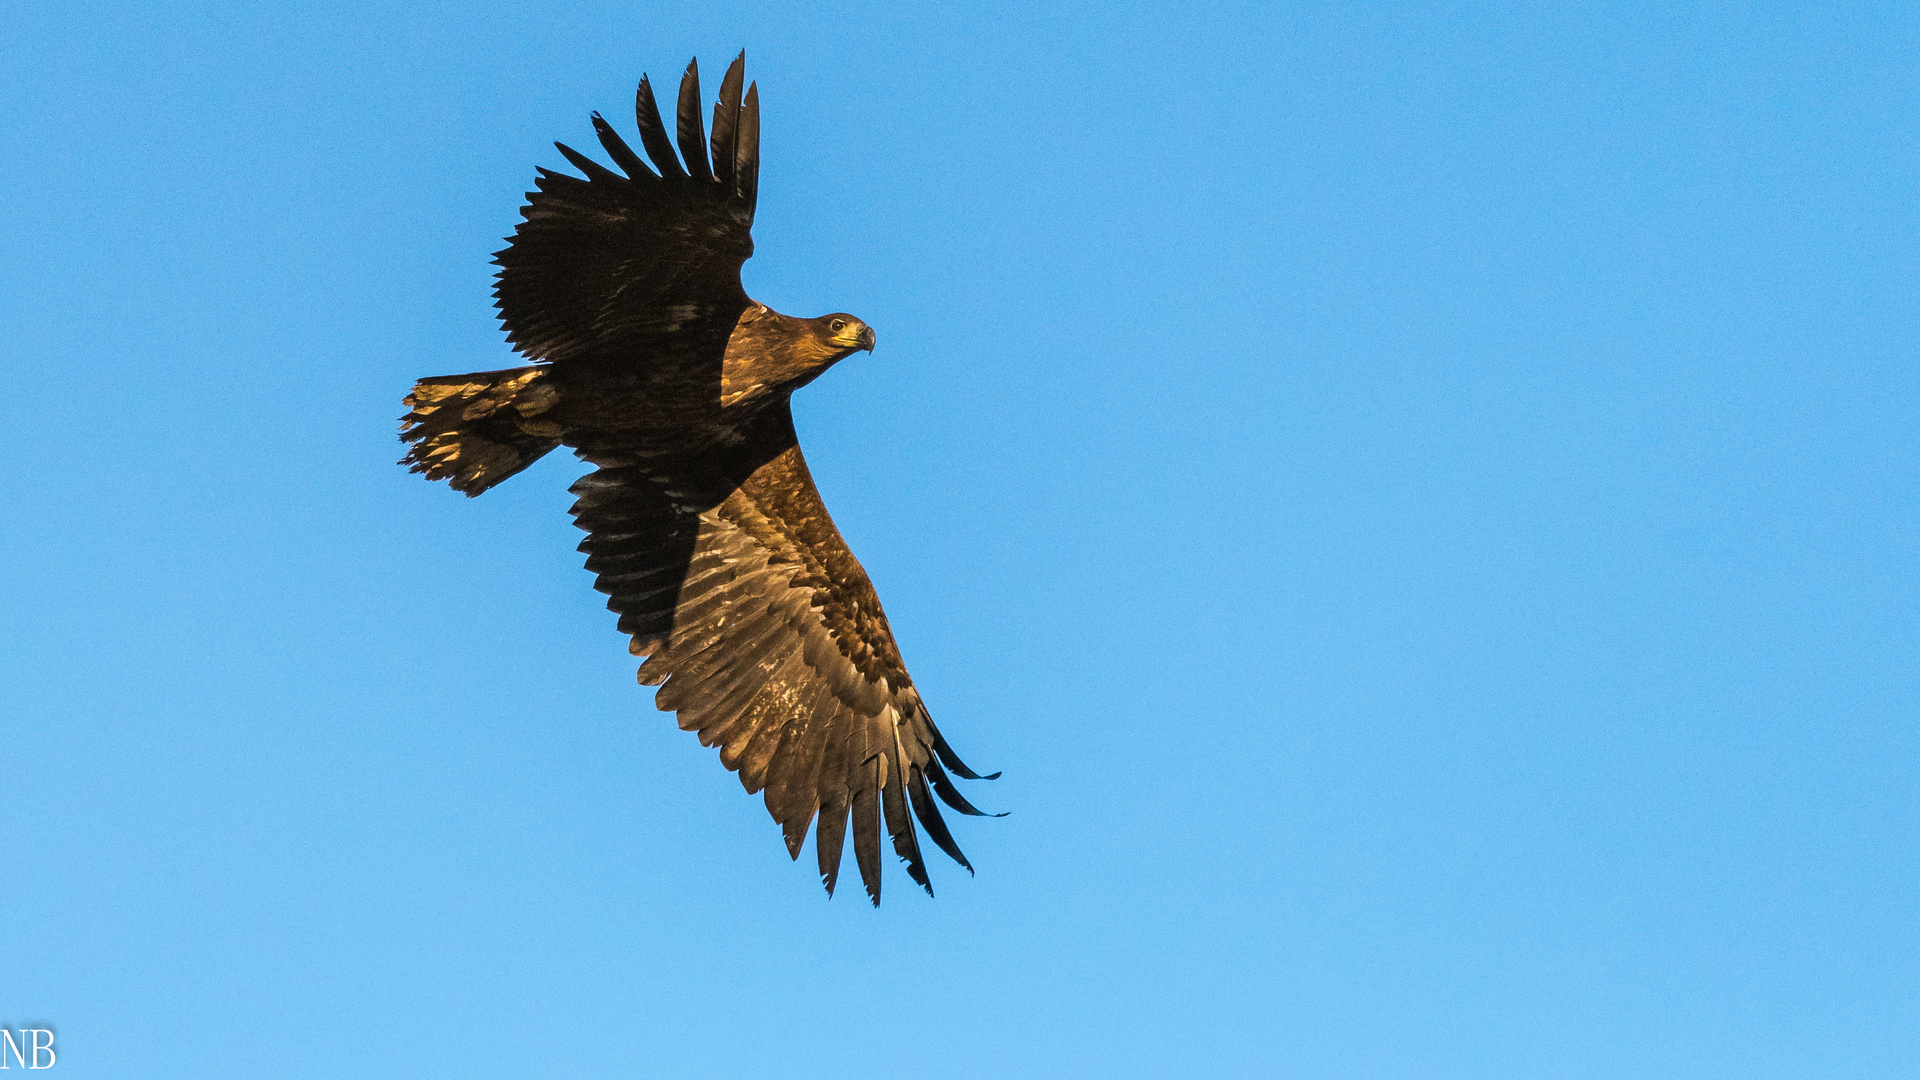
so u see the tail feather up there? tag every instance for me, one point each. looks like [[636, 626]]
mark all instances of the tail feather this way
[[474, 431]]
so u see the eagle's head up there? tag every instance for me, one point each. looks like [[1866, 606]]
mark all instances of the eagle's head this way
[[769, 350], [842, 334]]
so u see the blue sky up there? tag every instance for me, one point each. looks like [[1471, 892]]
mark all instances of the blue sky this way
[[1418, 499]]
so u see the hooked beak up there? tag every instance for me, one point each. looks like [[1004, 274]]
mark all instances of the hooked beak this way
[[866, 338]]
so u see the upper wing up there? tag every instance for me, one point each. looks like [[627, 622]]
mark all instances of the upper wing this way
[[771, 643], [613, 267]]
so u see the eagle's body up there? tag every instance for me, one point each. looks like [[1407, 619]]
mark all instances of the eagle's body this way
[[704, 527]]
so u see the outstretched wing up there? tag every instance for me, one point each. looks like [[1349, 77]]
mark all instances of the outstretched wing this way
[[642, 267], [765, 636]]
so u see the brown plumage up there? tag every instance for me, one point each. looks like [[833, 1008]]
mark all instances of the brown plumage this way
[[703, 526]]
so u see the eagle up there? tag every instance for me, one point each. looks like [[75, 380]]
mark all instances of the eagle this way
[[757, 624]]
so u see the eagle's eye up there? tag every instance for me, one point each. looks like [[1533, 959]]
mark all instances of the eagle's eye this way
[[837, 325]]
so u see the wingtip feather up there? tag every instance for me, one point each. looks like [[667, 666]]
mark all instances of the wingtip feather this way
[[692, 136], [594, 170], [619, 151], [726, 125], [653, 132]]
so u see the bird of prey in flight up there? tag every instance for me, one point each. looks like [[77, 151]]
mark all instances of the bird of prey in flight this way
[[703, 526]]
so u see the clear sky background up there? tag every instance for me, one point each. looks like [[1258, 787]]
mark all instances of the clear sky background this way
[[1419, 499]]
